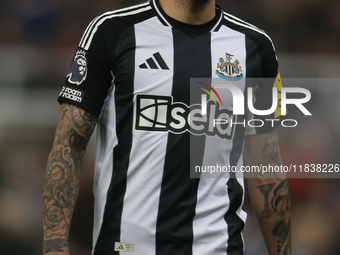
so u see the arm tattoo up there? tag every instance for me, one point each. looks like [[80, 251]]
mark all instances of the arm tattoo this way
[[271, 148], [265, 190], [282, 227], [277, 198], [55, 245], [63, 175], [279, 206]]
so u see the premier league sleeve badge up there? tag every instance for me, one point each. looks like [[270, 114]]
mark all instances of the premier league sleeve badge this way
[[78, 69]]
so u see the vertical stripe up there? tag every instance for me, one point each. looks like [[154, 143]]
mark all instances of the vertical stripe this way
[[235, 188], [148, 150], [178, 195], [111, 226], [212, 201], [235, 223], [235, 214], [107, 139], [235, 217], [213, 193], [255, 67]]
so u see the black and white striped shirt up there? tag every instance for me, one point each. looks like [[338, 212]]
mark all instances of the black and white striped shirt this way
[[132, 69]]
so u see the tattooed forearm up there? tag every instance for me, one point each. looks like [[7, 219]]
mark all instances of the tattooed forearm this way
[[271, 148], [277, 206], [282, 227], [63, 175], [269, 193]]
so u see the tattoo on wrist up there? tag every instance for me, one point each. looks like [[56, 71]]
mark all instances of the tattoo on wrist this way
[[56, 245]]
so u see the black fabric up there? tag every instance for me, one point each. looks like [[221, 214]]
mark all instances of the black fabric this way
[[174, 233], [235, 224]]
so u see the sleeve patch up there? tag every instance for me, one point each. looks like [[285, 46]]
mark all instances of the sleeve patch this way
[[78, 69], [73, 94]]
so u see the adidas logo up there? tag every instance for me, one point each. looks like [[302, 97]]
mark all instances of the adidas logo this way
[[123, 247], [155, 62], [120, 248]]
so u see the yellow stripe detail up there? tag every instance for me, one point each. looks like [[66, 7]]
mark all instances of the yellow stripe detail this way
[[278, 84]]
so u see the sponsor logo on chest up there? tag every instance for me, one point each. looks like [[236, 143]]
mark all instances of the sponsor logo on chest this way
[[160, 114]]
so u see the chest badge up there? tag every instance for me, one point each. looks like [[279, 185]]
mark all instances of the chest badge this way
[[229, 70]]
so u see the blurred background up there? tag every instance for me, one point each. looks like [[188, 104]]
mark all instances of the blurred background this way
[[37, 41]]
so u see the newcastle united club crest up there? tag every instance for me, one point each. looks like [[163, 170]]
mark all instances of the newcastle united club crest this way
[[229, 70]]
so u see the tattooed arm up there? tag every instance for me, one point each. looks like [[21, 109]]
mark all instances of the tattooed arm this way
[[269, 194], [63, 173]]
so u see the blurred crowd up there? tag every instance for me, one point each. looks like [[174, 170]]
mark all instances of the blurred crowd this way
[[295, 25], [37, 41]]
